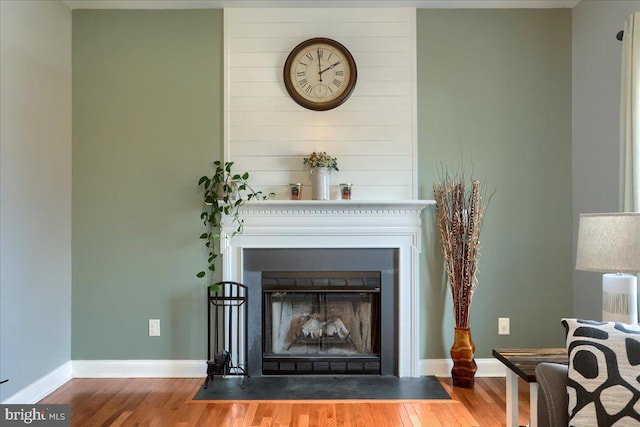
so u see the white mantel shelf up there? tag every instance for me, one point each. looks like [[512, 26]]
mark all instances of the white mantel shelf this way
[[325, 216], [340, 202], [347, 205]]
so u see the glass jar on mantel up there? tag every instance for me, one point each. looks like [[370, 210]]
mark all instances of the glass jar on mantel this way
[[296, 191]]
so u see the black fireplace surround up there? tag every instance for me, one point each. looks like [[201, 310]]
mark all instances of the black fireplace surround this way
[[322, 310]]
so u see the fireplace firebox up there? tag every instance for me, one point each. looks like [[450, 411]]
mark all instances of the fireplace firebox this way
[[321, 322], [306, 310]]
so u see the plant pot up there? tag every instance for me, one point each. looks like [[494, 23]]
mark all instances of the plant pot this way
[[321, 183], [232, 191], [464, 366]]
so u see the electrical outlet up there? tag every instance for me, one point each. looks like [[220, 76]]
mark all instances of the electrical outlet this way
[[503, 326], [154, 327]]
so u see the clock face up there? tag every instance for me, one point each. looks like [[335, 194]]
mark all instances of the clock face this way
[[320, 74]]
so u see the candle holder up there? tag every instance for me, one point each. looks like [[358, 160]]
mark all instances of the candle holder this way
[[296, 191], [345, 191]]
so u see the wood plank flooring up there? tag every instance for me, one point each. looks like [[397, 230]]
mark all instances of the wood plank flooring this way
[[167, 402]]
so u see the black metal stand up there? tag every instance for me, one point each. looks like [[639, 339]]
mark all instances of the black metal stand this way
[[227, 332]]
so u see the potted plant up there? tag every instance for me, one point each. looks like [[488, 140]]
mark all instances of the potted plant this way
[[459, 214], [225, 192], [321, 164]]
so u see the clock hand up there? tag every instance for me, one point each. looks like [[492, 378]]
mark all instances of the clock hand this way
[[328, 68], [319, 65]]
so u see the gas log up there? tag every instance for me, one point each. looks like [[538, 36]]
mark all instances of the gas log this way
[[313, 328]]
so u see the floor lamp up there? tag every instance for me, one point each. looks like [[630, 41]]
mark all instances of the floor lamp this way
[[610, 243]]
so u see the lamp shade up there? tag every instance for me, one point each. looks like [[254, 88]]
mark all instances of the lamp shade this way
[[609, 243]]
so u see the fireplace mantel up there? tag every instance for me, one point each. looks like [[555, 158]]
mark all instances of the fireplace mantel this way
[[332, 224], [320, 213], [338, 205]]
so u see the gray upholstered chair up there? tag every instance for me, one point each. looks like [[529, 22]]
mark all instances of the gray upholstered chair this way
[[553, 401]]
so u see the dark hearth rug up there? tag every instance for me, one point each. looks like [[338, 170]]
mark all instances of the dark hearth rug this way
[[356, 387]]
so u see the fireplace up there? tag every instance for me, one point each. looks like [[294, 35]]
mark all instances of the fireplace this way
[[287, 242], [321, 322], [322, 310]]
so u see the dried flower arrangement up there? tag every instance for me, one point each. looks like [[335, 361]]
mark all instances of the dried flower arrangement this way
[[459, 213], [321, 160]]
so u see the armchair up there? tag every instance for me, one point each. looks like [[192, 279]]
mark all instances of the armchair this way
[[553, 400]]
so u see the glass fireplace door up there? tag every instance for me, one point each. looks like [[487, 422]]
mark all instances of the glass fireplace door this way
[[322, 329], [320, 323]]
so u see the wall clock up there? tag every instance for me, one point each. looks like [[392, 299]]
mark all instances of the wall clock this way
[[320, 74]]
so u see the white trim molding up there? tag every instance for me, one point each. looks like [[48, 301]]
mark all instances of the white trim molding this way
[[139, 368], [42, 387], [487, 367]]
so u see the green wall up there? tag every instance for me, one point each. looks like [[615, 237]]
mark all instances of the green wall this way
[[493, 89], [494, 96], [147, 122]]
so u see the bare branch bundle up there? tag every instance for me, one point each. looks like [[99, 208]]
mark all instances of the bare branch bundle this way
[[459, 213]]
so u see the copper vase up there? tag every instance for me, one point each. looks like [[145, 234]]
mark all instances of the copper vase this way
[[464, 366]]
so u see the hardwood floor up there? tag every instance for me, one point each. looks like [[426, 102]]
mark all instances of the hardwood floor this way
[[167, 402]]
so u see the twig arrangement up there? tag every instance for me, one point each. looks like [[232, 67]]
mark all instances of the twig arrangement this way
[[459, 213]]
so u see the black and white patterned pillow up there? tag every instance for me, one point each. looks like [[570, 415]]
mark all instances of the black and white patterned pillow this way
[[604, 373]]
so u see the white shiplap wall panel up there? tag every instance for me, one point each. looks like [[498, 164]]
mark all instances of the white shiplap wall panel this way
[[382, 140], [316, 24], [350, 163], [323, 15], [310, 118], [368, 177], [372, 134], [364, 192], [274, 74], [283, 103]]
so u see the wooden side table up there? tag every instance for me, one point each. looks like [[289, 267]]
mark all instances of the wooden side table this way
[[522, 362]]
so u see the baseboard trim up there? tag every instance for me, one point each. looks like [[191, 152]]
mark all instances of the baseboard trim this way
[[442, 367], [42, 387], [139, 368]]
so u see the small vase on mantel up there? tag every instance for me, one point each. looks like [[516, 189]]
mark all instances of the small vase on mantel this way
[[321, 183], [464, 366]]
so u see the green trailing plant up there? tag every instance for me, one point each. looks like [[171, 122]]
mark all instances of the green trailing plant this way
[[225, 192]]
